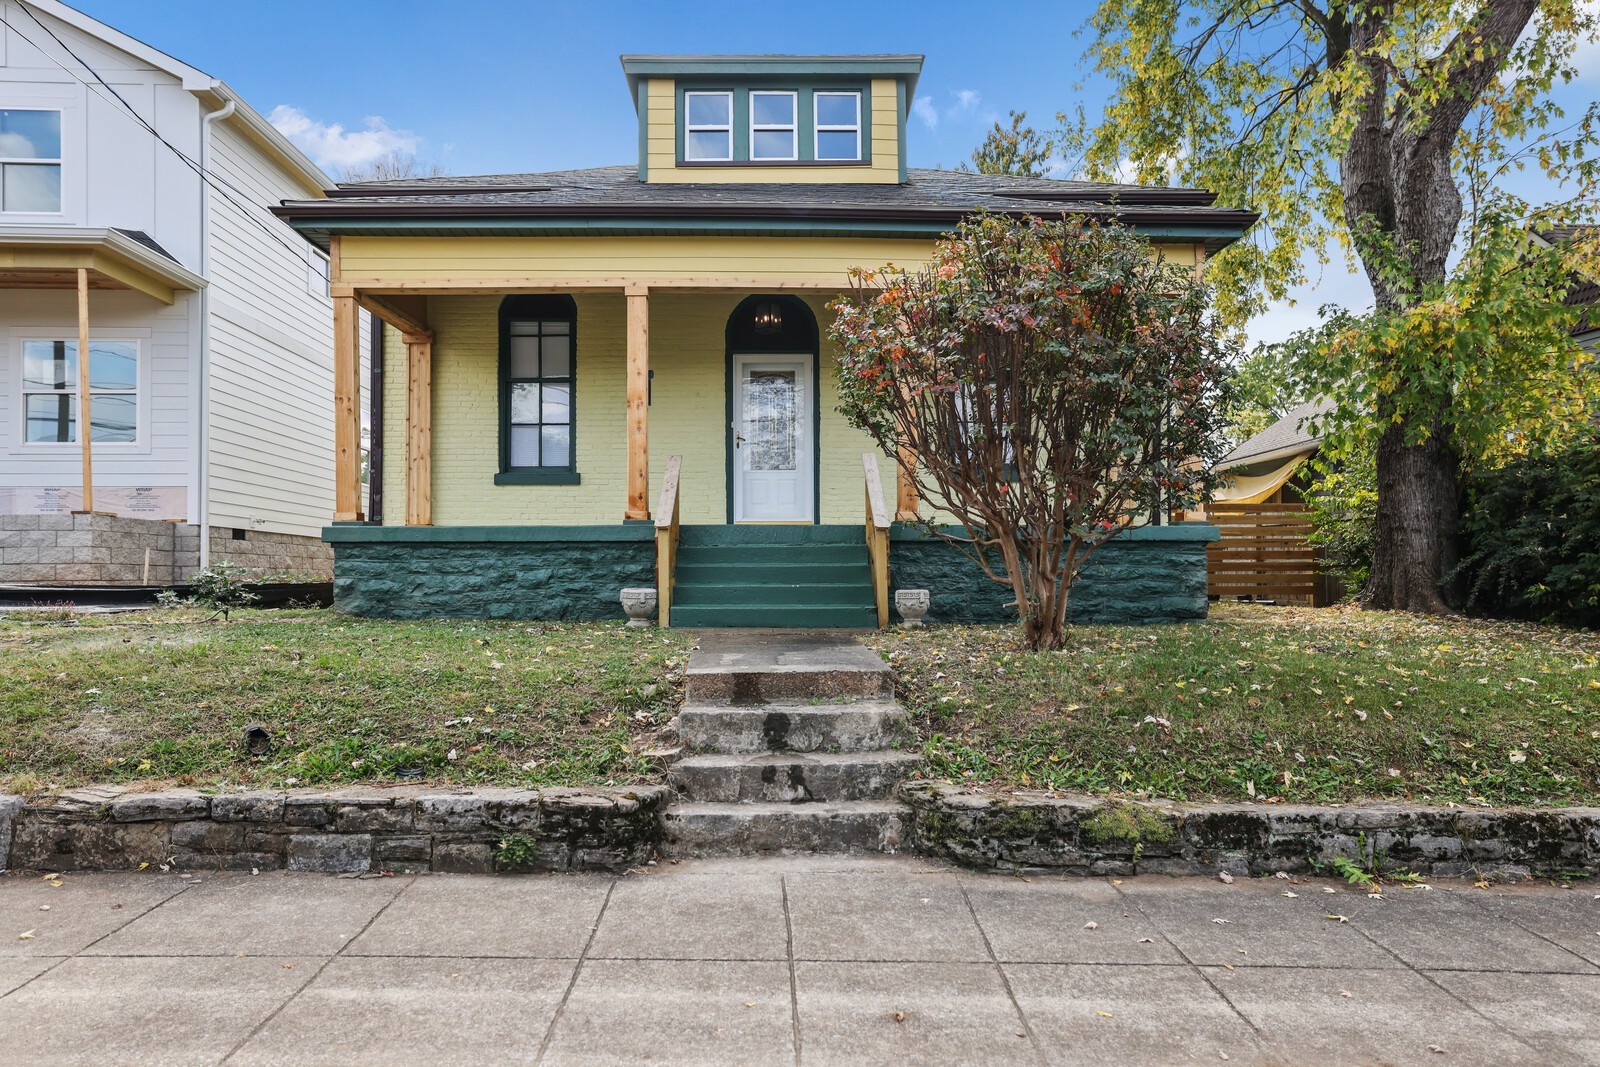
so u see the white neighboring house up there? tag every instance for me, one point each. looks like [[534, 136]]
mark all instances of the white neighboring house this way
[[209, 320]]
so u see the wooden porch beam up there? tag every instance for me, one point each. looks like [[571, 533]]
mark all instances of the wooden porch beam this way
[[406, 313], [638, 298], [419, 432], [346, 410], [85, 425], [906, 498]]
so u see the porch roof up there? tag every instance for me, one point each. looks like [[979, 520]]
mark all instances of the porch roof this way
[[49, 257], [612, 199]]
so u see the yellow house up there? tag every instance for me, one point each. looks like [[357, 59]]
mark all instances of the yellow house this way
[[621, 376]]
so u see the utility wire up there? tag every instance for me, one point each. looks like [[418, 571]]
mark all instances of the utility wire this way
[[238, 197]]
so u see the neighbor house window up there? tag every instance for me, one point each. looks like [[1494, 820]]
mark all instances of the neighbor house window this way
[[50, 391], [708, 126], [838, 125], [538, 357], [30, 161], [773, 133]]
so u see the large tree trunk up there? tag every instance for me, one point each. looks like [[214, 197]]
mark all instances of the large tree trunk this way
[[1414, 543]]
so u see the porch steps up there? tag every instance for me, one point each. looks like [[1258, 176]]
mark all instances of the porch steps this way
[[803, 577], [792, 739]]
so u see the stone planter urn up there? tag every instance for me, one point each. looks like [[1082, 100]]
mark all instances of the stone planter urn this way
[[912, 604], [640, 604]]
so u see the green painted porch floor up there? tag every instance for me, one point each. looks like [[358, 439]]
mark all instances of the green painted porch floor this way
[[797, 577]]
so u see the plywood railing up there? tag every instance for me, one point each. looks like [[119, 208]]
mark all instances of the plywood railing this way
[[877, 537], [667, 540], [1265, 551]]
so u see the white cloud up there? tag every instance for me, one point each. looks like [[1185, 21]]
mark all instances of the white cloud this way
[[967, 99], [331, 145], [923, 108]]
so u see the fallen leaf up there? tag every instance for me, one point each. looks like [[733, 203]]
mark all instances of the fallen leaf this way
[[26, 935], [1151, 940], [1223, 922], [1480, 885], [1225, 877], [1290, 893], [1344, 992], [1329, 889], [1339, 918], [899, 1016], [1091, 926], [1104, 1014], [1436, 1048]]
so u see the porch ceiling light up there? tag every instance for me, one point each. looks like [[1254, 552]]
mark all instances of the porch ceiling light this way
[[768, 319]]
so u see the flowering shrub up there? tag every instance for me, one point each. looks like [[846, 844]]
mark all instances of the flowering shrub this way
[[1057, 383]]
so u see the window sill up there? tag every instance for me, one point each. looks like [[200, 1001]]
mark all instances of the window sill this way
[[532, 477]]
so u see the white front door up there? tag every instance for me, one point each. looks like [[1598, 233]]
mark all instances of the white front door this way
[[773, 446]]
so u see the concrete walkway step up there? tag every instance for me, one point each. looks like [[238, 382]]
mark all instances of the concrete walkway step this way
[[754, 666], [700, 829], [866, 726], [790, 777]]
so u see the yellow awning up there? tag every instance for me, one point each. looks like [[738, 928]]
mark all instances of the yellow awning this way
[[1256, 488]]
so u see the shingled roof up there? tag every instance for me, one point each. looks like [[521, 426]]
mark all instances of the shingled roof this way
[[1283, 438], [937, 197]]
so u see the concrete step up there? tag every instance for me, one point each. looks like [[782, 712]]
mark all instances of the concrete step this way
[[866, 726], [743, 667], [747, 829], [790, 777]]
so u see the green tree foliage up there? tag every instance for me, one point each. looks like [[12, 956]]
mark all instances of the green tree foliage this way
[[1015, 149], [1055, 380], [1367, 121], [1532, 533]]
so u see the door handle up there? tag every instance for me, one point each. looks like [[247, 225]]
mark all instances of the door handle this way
[[738, 439]]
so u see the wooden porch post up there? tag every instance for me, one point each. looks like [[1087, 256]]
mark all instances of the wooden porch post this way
[[346, 410], [905, 486], [419, 430], [85, 428], [638, 403]]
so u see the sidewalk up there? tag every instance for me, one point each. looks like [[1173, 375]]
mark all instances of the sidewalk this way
[[829, 961]]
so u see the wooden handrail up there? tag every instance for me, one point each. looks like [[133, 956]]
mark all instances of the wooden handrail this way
[[667, 540], [877, 537]]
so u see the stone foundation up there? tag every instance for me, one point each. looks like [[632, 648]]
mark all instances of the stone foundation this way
[[1148, 574], [1101, 836], [557, 573], [342, 831], [268, 553]]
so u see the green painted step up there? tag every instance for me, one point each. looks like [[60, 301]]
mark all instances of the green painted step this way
[[809, 617], [768, 555], [695, 572], [780, 535], [800, 594]]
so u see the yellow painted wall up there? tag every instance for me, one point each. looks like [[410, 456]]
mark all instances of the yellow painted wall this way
[[661, 147]]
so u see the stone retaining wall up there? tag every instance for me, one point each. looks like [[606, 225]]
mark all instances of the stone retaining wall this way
[[1096, 835], [1146, 575], [351, 830]]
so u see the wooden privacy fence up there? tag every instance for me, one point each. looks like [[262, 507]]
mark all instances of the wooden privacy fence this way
[[1264, 552]]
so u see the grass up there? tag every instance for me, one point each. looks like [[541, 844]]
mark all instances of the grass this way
[[1281, 704], [163, 698]]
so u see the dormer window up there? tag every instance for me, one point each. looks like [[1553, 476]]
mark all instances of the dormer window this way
[[30, 161], [838, 125], [774, 133], [708, 127]]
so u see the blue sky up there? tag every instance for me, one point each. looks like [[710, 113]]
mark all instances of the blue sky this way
[[492, 86]]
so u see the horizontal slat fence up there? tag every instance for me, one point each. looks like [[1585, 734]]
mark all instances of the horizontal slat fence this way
[[1264, 552]]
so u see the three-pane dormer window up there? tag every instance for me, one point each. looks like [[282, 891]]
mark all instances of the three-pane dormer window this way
[[774, 133], [838, 125], [708, 127]]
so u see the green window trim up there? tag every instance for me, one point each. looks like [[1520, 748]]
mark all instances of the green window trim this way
[[805, 120], [556, 309]]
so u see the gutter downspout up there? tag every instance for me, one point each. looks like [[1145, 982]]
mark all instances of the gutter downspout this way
[[203, 415]]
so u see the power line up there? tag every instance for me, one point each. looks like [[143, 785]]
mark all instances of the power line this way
[[222, 186]]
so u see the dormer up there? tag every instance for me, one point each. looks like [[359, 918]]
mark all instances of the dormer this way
[[772, 119]]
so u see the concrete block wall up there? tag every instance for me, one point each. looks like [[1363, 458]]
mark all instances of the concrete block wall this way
[[274, 553], [95, 549]]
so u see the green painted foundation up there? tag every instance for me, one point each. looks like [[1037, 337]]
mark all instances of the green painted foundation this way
[[734, 575], [1147, 575]]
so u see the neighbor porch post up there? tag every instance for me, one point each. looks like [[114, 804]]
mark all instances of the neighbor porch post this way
[[346, 410], [85, 428], [419, 429], [638, 298]]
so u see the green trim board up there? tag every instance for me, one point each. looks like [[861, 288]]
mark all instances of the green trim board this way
[[642, 105], [554, 476], [805, 126], [906, 68], [1177, 531], [342, 533]]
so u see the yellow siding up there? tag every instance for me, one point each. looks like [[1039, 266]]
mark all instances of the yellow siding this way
[[662, 146], [373, 261]]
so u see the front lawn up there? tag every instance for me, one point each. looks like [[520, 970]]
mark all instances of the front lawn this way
[[163, 697], [1276, 703]]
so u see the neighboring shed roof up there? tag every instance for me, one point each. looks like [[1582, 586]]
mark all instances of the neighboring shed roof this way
[[936, 199], [1283, 438]]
